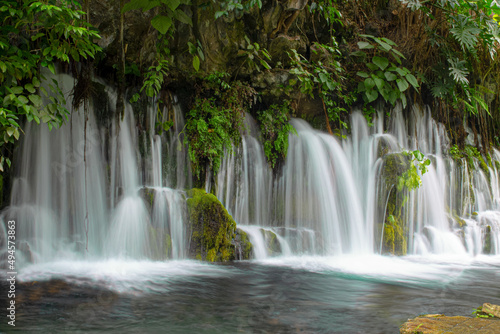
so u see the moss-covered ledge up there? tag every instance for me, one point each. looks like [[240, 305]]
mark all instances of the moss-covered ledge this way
[[213, 233]]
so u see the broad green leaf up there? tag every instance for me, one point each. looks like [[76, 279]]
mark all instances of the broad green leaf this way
[[161, 23], [396, 52], [369, 83], [403, 99], [372, 66], [388, 41], [381, 62], [361, 87], [323, 77], [401, 72], [358, 54], [365, 45], [393, 96], [386, 47], [36, 100], [17, 90], [182, 17], [51, 68], [412, 80], [29, 87], [378, 82], [371, 95], [196, 63], [418, 155], [172, 4], [402, 84], [140, 4], [362, 74], [390, 76]]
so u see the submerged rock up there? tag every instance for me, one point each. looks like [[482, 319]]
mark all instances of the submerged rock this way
[[211, 228], [243, 246]]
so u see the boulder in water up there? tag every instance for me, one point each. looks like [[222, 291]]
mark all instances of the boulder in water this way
[[211, 228]]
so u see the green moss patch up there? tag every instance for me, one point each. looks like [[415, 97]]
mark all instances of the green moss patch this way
[[211, 227]]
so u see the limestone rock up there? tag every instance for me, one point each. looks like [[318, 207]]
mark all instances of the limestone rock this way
[[438, 323], [491, 309]]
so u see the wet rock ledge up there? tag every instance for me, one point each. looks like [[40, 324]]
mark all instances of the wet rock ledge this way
[[439, 323]]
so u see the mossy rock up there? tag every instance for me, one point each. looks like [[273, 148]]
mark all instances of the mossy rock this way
[[212, 229], [273, 245], [395, 165], [243, 246], [394, 241]]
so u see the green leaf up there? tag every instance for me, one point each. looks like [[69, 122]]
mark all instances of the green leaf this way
[[140, 4], [219, 14], [182, 17], [390, 76], [172, 4], [418, 155], [393, 96], [365, 45], [369, 83], [401, 72], [29, 87], [403, 99], [51, 67], [161, 23], [371, 95], [378, 82], [362, 74], [402, 84], [36, 100], [196, 63], [265, 64], [412, 80], [386, 47], [358, 54], [381, 62], [17, 90], [323, 77], [372, 66]]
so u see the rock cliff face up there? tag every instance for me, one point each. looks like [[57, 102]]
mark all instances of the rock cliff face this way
[[279, 26]]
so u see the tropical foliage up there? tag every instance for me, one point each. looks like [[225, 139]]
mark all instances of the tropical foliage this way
[[34, 37]]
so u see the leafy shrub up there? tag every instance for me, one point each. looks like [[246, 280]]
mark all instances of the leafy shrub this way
[[275, 127]]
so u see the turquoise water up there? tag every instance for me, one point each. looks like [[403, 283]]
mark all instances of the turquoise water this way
[[345, 294]]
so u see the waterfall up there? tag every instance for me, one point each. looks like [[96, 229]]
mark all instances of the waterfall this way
[[94, 189], [333, 189]]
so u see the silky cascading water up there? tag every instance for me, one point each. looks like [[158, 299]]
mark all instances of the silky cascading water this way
[[106, 188]]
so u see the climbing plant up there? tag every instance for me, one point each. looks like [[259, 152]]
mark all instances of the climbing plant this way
[[384, 75], [215, 121], [275, 128], [326, 79]]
